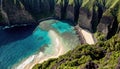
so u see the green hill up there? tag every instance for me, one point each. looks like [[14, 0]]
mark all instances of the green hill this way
[[104, 55], [101, 17]]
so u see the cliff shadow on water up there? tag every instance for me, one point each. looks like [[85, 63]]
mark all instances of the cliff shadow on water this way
[[16, 33]]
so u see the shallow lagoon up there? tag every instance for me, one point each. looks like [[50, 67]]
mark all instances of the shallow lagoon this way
[[18, 44]]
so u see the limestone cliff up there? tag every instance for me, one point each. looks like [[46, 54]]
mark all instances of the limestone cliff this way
[[15, 13], [94, 15], [98, 16]]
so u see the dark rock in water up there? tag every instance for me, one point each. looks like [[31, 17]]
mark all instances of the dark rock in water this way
[[91, 65]]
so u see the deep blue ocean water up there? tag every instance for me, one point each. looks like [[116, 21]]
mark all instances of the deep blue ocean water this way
[[15, 51], [19, 43]]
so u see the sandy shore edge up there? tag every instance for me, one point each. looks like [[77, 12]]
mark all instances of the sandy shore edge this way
[[88, 36], [39, 58], [58, 47]]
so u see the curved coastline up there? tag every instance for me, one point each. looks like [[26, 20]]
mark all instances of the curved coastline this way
[[84, 35], [36, 35], [88, 36], [58, 46], [39, 58]]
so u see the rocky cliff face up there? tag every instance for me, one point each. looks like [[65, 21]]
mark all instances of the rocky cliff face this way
[[94, 15], [14, 13]]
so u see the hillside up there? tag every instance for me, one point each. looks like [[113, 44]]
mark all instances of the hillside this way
[[100, 17], [94, 15], [103, 55]]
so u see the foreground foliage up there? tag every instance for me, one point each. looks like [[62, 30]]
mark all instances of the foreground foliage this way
[[104, 55]]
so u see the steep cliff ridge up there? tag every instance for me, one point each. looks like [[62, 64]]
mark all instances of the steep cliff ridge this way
[[39, 8], [101, 17], [15, 13], [94, 15], [103, 55], [109, 21]]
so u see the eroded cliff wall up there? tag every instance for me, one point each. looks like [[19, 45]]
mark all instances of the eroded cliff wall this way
[[94, 15]]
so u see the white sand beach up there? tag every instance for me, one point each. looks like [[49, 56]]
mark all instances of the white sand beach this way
[[58, 47], [88, 36], [39, 58]]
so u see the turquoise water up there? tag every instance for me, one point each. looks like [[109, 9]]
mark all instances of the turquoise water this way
[[20, 43], [16, 51], [62, 27]]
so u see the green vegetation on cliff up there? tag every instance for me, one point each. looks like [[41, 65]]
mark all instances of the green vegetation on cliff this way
[[104, 54], [92, 10], [102, 15]]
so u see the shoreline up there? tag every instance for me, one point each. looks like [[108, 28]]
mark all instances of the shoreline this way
[[41, 57], [57, 46], [84, 35], [88, 36]]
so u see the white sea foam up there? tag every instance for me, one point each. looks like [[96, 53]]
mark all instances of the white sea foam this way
[[58, 48], [29, 60], [41, 57]]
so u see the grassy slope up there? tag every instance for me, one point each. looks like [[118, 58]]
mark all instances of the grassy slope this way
[[110, 5], [88, 4], [78, 57], [118, 14]]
